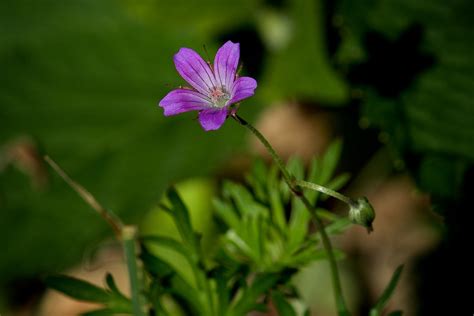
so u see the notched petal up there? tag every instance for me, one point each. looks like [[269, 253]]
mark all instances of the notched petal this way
[[194, 70], [212, 119], [243, 88], [183, 100], [226, 62]]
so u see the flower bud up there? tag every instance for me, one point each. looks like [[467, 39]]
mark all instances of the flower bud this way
[[362, 213]]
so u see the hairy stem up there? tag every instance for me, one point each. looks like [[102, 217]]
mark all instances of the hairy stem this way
[[327, 191], [126, 234], [296, 187], [106, 214]]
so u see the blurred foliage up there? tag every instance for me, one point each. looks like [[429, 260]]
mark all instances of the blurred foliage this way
[[413, 61], [256, 253], [265, 240]]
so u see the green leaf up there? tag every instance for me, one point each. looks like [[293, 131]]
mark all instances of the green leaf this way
[[244, 200], [78, 289], [187, 295], [314, 175], [295, 167], [329, 161], [248, 300], [180, 214], [172, 244], [338, 226], [387, 293], [258, 179], [176, 284], [154, 265], [109, 280], [395, 313], [277, 208], [311, 78], [222, 290], [100, 312], [283, 307], [298, 225], [227, 214]]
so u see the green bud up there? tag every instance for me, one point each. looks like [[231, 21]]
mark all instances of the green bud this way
[[362, 213]]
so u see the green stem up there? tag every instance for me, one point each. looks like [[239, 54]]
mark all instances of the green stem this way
[[126, 234], [295, 187], [105, 213], [129, 237], [336, 281], [327, 191]]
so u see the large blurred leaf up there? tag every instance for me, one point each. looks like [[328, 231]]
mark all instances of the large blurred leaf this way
[[417, 72], [83, 80], [300, 68]]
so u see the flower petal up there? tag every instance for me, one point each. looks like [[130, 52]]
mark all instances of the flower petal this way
[[183, 100], [225, 64], [212, 119], [243, 88], [194, 70]]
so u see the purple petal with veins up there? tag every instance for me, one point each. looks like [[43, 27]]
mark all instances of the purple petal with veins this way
[[212, 119], [183, 100], [194, 70], [243, 88], [225, 64]]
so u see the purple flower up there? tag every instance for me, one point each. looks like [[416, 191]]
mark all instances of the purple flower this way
[[215, 88]]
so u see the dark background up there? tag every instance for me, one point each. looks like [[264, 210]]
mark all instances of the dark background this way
[[80, 81]]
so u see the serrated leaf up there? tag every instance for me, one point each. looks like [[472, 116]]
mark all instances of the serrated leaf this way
[[78, 289]]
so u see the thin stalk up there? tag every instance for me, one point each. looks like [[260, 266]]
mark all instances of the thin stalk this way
[[129, 237], [126, 234], [327, 191], [297, 191], [106, 214]]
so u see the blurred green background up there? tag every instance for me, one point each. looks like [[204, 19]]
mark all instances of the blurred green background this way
[[80, 80]]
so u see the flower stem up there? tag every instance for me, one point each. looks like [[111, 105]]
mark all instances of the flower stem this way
[[296, 187], [327, 191]]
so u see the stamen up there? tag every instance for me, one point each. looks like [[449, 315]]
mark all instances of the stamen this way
[[219, 97]]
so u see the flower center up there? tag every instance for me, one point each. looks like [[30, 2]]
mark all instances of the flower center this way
[[219, 96]]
